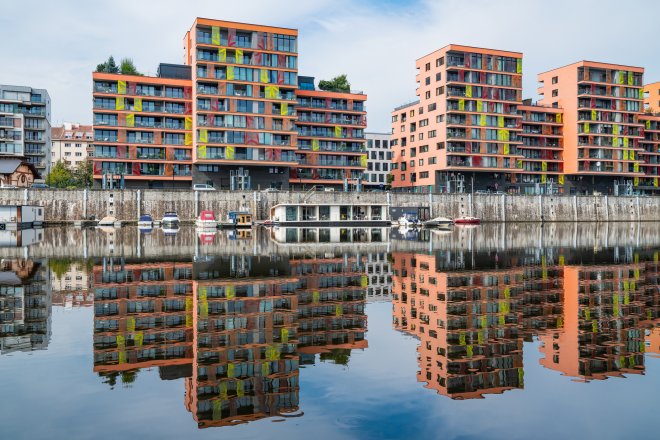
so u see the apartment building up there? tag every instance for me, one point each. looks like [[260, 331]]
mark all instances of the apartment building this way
[[379, 160], [227, 118], [652, 97], [464, 131], [649, 155], [143, 129], [331, 139], [25, 115], [72, 144], [244, 82], [602, 104], [541, 148]]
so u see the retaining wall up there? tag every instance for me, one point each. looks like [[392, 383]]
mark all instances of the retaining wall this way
[[127, 205]]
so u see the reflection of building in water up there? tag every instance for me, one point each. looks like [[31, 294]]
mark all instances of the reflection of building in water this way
[[467, 322], [603, 332], [472, 315], [379, 272], [72, 300], [21, 237], [142, 316], [69, 276], [329, 235], [25, 305], [246, 365], [652, 341], [254, 328]]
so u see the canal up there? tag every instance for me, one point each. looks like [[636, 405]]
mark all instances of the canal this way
[[496, 331]]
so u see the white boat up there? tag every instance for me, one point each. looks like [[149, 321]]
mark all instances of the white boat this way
[[206, 220], [170, 218], [408, 221], [438, 221], [108, 221]]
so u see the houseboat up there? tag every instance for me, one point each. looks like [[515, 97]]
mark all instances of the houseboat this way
[[170, 218], [15, 217], [238, 219], [330, 235], [206, 220], [310, 214]]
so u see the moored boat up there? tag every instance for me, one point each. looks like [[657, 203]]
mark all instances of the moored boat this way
[[437, 222], [206, 220], [467, 220], [170, 218], [145, 221], [313, 214], [238, 219]]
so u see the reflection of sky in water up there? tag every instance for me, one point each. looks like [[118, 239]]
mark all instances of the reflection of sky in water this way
[[377, 395]]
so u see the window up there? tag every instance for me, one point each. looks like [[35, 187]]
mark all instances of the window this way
[[555, 80], [403, 177], [555, 92], [78, 154], [432, 107], [421, 136], [440, 146], [427, 67], [438, 76], [395, 118], [440, 118], [424, 175], [421, 162], [67, 145], [427, 95], [432, 133], [424, 149], [439, 62], [427, 81], [432, 160], [424, 122], [78, 145], [439, 90]]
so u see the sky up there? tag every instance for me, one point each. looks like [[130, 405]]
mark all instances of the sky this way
[[57, 44]]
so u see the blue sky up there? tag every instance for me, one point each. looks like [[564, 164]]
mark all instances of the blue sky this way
[[57, 44]]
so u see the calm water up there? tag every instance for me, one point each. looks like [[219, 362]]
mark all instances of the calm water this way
[[516, 331]]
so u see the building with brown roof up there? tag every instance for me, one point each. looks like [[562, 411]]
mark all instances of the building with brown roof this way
[[71, 143]]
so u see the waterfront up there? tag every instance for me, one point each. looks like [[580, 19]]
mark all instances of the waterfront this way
[[354, 334]]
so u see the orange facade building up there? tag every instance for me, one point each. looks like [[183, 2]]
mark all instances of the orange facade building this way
[[464, 133], [331, 139], [143, 129], [234, 120], [465, 130]]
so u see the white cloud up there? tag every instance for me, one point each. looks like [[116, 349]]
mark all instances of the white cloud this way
[[56, 45]]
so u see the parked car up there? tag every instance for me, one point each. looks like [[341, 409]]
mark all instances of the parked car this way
[[271, 190], [7, 186], [39, 185], [203, 187]]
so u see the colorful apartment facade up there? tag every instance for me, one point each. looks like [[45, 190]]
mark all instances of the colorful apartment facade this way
[[470, 129], [143, 129], [465, 129], [331, 140], [25, 115], [231, 121]]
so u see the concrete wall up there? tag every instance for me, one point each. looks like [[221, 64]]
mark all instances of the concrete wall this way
[[127, 205]]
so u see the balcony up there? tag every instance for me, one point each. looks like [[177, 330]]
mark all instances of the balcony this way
[[106, 138]]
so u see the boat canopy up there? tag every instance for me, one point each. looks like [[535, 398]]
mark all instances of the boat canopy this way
[[206, 215]]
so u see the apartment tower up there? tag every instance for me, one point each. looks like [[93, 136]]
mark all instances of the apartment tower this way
[[244, 82], [602, 104], [463, 133]]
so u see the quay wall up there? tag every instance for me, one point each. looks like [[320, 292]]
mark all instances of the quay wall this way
[[127, 205]]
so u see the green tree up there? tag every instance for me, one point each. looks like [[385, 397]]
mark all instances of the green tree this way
[[339, 356], [83, 174], [60, 176], [59, 266], [337, 84], [389, 179], [109, 66], [127, 67]]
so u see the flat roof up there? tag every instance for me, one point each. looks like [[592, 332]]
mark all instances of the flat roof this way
[[239, 24], [594, 62], [455, 46]]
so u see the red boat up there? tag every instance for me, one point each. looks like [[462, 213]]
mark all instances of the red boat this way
[[467, 221]]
